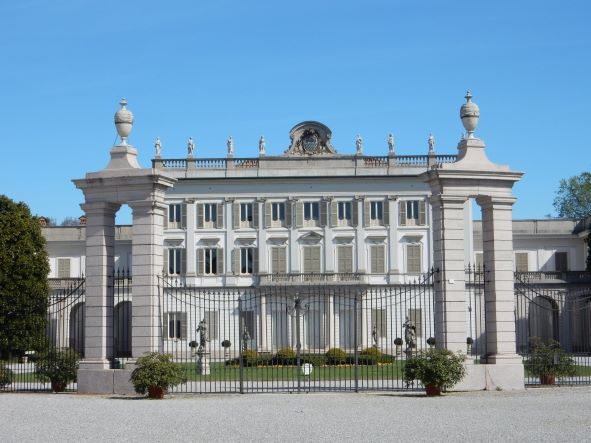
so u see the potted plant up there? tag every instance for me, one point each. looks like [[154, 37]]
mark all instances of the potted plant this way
[[431, 342], [59, 366], [469, 342], [437, 369], [155, 373], [548, 360], [226, 345], [398, 343], [193, 345]]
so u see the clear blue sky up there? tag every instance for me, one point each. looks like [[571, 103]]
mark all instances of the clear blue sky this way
[[211, 69]]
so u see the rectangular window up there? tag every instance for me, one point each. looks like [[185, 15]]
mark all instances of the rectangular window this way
[[378, 322], [416, 316], [345, 259], [174, 261], [478, 261], [210, 213], [278, 260], [63, 268], [376, 211], [246, 260], [210, 261], [413, 259], [344, 211], [174, 213], [175, 325], [311, 211], [377, 265], [311, 259], [212, 319], [412, 210], [521, 262], [278, 212], [246, 213], [561, 261]]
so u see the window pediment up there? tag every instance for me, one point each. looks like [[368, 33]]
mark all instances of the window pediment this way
[[311, 238]]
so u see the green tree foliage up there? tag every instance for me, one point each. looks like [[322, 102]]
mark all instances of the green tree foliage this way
[[23, 280], [573, 198]]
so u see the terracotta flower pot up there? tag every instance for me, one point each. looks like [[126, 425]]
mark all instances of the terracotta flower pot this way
[[547, 379], [58, 386], [156, 392], [432, 390]]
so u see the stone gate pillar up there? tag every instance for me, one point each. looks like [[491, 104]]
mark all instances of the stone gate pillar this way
[[448, 256], [121, 182], [473, 175]]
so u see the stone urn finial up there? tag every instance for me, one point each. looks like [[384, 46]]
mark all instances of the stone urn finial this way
[[469, 113], [123, 121]]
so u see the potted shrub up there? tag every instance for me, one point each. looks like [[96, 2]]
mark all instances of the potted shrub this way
[[193, 345], [155, 373], [548, 360], [437, 369], [431, 342], [469, 343], [226, 345], [59, 366], [5, 376], [398, 342]]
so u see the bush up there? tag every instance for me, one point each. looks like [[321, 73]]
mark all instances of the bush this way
[[155, 370], [436, 367], [59, 366], [284, 356], [336, 356], [314, 359], [5, 376], [547, 358]]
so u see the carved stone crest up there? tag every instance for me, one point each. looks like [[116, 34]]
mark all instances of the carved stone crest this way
[[310, 138]]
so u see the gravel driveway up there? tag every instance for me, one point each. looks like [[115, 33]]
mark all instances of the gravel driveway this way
[[548, 414]]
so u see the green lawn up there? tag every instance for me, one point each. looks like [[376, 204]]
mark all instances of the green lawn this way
[[221, 372]]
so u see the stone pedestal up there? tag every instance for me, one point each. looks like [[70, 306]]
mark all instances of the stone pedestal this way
[[203, 364]]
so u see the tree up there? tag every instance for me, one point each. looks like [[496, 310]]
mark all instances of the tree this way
[[24, 267], [573, 198]]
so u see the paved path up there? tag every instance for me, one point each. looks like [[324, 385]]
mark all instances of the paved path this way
[[542, 414]]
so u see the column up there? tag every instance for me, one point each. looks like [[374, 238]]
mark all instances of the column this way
[[497, 242], [262, 338], [147, 238], [331, 322], [393, 259], [190, 237], [448, 254], [100, 246]]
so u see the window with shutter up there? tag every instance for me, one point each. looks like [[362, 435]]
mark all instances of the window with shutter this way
[[311, 259], [276, 214], [246, 260], [210, 215], [248, 323], [220, 216], [422, 213], [174, 216], [299, 214], [311, 214], [413, 259], [521, 262], [63, 268], [376, 213], [176, 326], [345, 259], [377, 259], [278, 260], [344, 214], [354, 213], [247, 215], [210, 261], [175, 262], [200, 216], [213, 324], [402, 213]]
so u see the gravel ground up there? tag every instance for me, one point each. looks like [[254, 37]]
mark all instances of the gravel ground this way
[[548, 414]]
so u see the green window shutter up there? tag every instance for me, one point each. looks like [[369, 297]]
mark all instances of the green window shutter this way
[[377, 259], [182, 316], [255, 215], [183, 215], [235, 215], [386, 212], [315, 259], [345, 259], [255, 260], [366, 213], [63, 268], [299, 209], [334, 213], [521, 262], [402, 213], [165, 262], [165, 326], [354, 213], [236, 261], [413, 259], [220, 260], [183, 261], [323, 213], [282, 260], [220, 216], [422, 218], [288, 206], [200, 261], [268, 213], [200, 216]]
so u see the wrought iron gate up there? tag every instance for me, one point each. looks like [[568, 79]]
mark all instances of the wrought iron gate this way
[[296, 338]]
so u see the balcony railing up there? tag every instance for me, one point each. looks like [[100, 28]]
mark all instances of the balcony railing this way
[[266, 279]]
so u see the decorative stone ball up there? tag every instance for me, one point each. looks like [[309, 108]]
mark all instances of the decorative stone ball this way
[[123, 120], [469, 113]]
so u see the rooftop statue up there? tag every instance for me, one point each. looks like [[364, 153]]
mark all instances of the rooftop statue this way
[[230, 144], [359, 144], [190, 147], [390, 143], [158, 147]]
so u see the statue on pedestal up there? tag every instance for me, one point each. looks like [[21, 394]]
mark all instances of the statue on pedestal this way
[[390, 144], [410, 333], [359, 145], [230, 144], [158, 147], [203, 336], [262, 145], [190, 147], [245, 339]]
